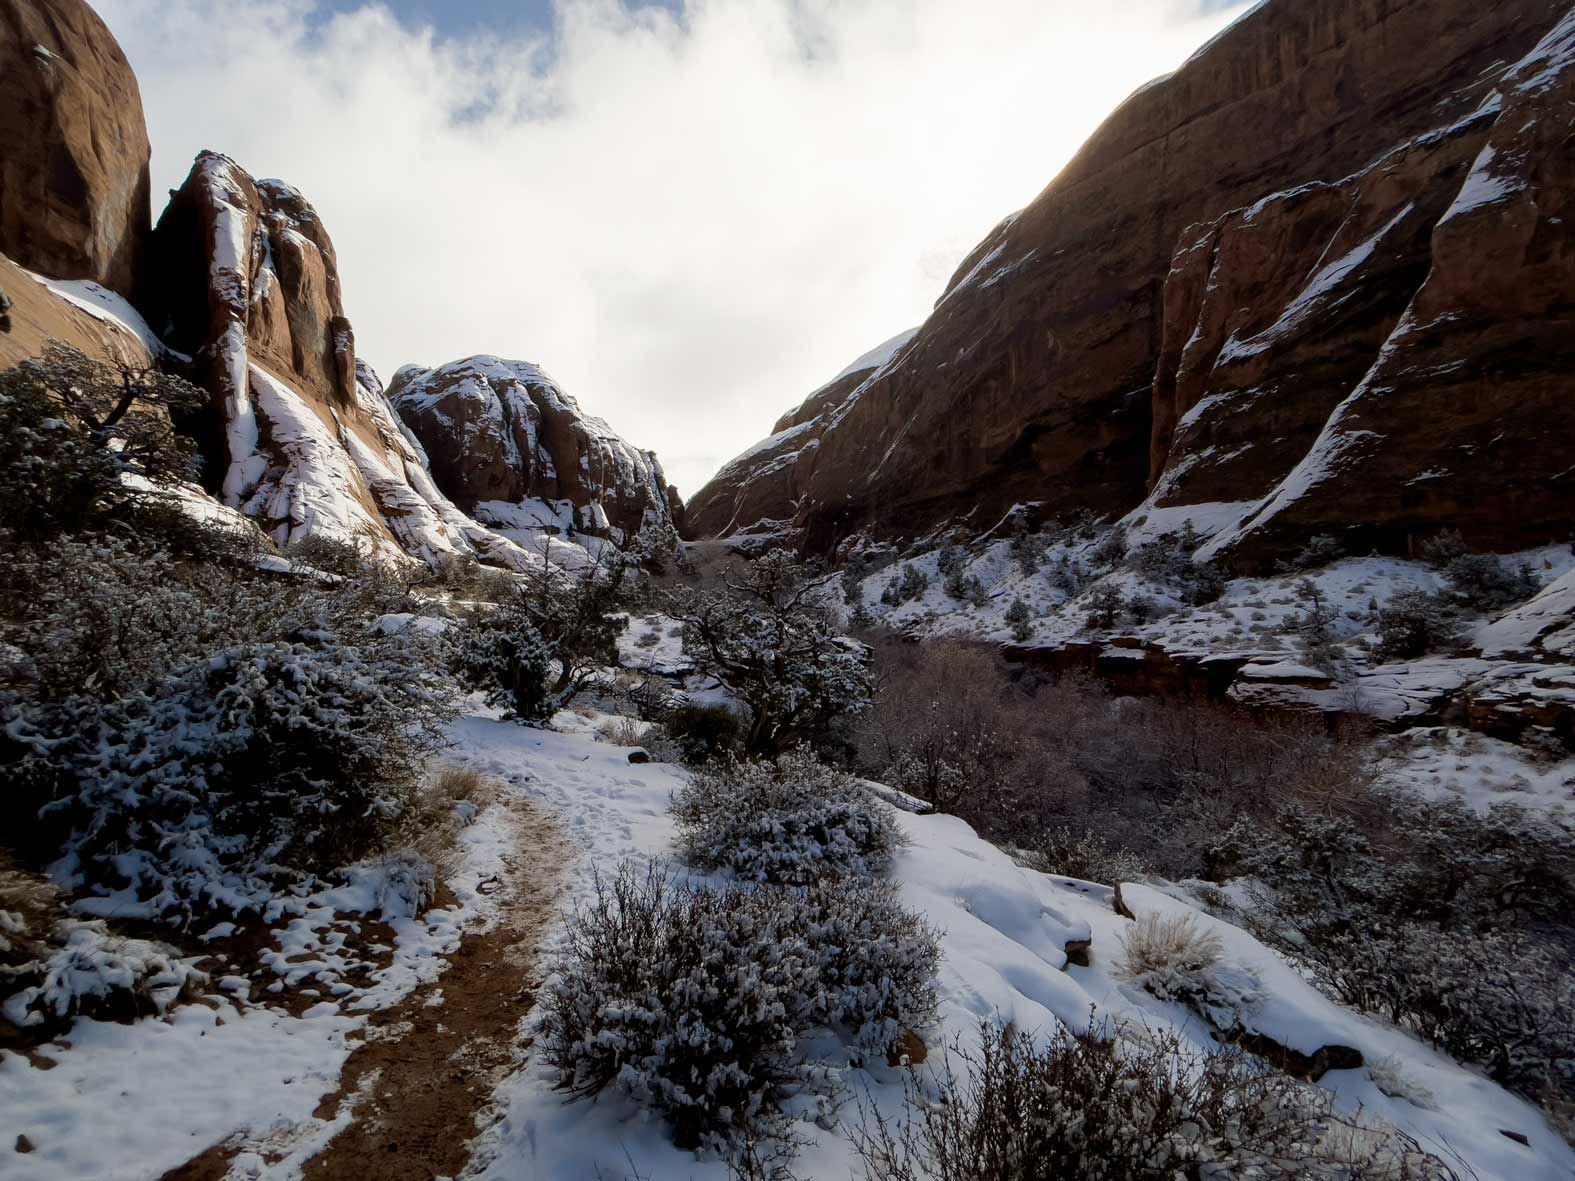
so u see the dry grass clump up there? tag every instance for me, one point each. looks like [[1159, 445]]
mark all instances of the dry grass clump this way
[[1158, 944], [622, 731], [29, 908], [428, 831]]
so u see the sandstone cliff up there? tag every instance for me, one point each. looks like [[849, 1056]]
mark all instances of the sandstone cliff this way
[[1061, 366], [507, 445], [74, 165]]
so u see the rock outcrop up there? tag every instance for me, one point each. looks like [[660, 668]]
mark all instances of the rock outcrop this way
[[74, 166], [507, 445], [754, 492], [1060, 365]]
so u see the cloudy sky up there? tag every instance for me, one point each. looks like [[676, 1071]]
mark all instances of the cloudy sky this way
[[691, 213]]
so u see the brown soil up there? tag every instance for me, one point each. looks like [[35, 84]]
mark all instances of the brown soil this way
[[420, 1085]]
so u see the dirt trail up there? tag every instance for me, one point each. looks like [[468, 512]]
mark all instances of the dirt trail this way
[[420, 1083], [419, 1086]]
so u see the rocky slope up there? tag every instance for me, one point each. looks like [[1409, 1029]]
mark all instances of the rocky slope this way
[[74, 169], [509, 446], [242, 282], [1194, 304]]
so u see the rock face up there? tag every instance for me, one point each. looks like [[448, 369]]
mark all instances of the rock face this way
[[507, 445], [74, 167], [299, 435], [1308, 175], [755, 491]]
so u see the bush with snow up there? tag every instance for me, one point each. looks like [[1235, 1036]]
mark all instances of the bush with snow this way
[[1173, 958], [1454, 925], [875, 959], [788, 821], [1484, 583], [704, 732], [771, 638], [1413, 623], [549, 640], [906, 587], [198, 787], [1167, 561], [693, 1001], [1130, 1105], [1083, 854], [71, 428], [1020, 620]]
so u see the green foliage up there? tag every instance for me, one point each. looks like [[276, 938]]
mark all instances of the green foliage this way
[[72, 428], [704, 732]]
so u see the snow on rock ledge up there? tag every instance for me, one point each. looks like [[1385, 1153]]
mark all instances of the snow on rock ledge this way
[[505, 441]]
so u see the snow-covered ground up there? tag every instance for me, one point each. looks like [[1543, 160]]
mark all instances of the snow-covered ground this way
[[127, 1102], [1005, 930], [117, 1102]]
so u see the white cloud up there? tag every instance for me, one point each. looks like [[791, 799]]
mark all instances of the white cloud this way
[[690, 221]]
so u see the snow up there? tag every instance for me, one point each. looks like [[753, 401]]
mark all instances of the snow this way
[[1442, 762], [1005, 930], [1481, 187], [103, 304], [878, 356], [128, 1102], [1554, 54], [1318, 289], [1546, 622]]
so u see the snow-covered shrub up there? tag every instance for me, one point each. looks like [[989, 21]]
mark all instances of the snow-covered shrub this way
[[1084, 854], [1020, 620], [1173, 958], [1453, 925], [876, 960], [548, 640], [99, 614], [1167, 561], [194, 789], [907, 586], [774, 642], [1136, 1106], [97, 974], [72, 427], [789, 821], [1028, 551], [1413, 623], [964, 588], [1482, 582], [692, 1001], [1321, 550], [704, 732], [1160, 944], [1105, 606], [1110, 550], [1068, 576], [1314, 625], [505, 655]]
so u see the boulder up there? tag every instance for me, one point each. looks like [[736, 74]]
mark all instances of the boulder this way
[[509, 446], [74, 170]]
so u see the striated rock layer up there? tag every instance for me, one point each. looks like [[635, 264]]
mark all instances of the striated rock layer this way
[[1316, 277], [73, 146]]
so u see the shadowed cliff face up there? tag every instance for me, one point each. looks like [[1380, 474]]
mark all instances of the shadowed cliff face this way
[[74, 160], [1060, 367]]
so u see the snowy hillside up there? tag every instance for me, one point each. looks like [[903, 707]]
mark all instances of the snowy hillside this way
[[131, 1101]]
